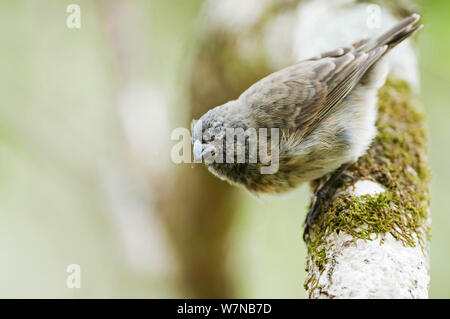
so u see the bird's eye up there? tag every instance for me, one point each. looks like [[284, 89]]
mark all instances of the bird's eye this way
[[219, 127]]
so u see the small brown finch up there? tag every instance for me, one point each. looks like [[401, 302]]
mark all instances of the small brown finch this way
[[325, 109]]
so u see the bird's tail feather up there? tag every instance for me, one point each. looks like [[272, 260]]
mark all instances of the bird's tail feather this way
[[395, 35]]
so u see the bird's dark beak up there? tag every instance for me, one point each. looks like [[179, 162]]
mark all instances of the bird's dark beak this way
[[203, 151]]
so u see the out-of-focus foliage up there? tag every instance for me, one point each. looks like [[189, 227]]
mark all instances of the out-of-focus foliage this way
[[434, 52], [77, 165]]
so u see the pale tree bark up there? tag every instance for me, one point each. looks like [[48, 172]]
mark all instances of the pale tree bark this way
[[372, 242]]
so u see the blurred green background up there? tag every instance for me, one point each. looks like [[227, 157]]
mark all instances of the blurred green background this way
[[86, 176]]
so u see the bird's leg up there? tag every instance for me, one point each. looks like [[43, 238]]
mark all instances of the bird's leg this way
[[324, 195]]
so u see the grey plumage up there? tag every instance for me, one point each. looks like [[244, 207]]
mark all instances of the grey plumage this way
[[324, 107]]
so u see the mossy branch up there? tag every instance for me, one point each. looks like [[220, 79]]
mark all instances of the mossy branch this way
[[397, 163]]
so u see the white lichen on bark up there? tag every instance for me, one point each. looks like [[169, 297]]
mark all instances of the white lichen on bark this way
[[370, 268]]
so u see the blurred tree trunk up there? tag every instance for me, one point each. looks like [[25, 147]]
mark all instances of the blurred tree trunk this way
[[197, 208], [200, 211]]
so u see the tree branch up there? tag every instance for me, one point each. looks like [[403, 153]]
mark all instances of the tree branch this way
[[373, 242]]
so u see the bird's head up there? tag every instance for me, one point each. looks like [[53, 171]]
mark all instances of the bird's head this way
[[211, 131], [207, 134]]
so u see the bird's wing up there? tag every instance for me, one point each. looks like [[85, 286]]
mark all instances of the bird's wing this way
[[301, 96]]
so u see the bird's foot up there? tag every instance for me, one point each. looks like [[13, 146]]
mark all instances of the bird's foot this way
[[323, 199]]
